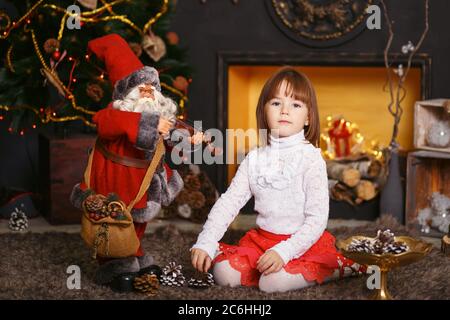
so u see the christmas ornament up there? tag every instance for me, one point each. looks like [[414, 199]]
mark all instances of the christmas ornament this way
[[407, 48], [196, 198], [51, 45], [383, 243], [89, 4], [147, 284], [340, 134], [154, 46], [342, 138], [181, 84], [172, 275], [94, 91], [18, 220], [172, 38], [56, 55], [53, 78], [399, 71], [438, 135], [206, 281], [184, 211]]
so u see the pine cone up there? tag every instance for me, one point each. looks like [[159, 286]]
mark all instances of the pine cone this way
[[383, 243], [385, 236], [178, 281], [205, 281], [378, 247], [172, 269], [183, 197], [18, 220], [147, 283], [396, 247], [191, 182], [196, 200], [94, 91], [363, 245], [172, 275], [94, 202]]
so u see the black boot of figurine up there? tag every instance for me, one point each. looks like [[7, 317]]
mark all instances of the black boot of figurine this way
[[123, 282]]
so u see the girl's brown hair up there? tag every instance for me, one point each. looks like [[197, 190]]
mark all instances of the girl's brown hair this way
[[300, 87]]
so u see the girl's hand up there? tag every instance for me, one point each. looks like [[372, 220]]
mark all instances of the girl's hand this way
[[164, 125], [200, 260], [269, 262]]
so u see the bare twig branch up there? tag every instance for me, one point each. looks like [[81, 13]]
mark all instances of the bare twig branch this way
[[395, 107], [386, 56]]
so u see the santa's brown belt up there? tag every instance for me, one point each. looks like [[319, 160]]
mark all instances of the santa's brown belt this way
[[126, 161]]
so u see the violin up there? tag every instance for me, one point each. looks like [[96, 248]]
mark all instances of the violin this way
[[188, 126]]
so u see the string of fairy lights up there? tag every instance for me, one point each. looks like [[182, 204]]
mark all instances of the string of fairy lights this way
[[44, 114]]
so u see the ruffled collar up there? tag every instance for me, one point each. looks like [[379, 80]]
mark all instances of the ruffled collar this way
[[287, 142]]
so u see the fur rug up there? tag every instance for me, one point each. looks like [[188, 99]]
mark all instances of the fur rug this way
[[33, 266]]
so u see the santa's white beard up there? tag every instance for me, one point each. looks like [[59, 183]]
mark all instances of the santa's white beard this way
[[133, 102]]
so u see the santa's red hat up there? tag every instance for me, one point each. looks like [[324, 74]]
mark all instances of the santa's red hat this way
[[124, 68]]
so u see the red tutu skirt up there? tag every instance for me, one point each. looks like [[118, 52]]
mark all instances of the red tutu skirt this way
[[318, 263]]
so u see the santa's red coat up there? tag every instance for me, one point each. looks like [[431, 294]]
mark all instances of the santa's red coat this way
[[119, 131]]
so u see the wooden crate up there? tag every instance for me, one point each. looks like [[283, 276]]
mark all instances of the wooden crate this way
[[62, 163], [426, 114], [427, 172]]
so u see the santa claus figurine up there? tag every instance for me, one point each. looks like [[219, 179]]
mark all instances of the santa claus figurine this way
[[128, 132]]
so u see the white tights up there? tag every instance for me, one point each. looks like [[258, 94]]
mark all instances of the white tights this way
[[280, 281]]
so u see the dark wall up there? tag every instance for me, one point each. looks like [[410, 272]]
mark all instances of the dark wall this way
[[219, 25]]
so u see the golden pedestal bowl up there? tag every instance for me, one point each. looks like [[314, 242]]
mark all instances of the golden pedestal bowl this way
[[386, 261]]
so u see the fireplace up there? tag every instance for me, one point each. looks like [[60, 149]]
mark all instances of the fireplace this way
[[346, 84]]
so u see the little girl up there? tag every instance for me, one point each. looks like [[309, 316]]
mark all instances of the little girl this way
[[290, 249]]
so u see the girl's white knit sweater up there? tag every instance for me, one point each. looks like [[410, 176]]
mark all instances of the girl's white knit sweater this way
[[288, 179]]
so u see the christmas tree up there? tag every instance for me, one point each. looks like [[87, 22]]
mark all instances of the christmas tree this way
[[48, 76]]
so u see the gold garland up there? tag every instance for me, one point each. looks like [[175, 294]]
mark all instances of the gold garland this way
[[164, 9], [8, 59], [62, 27], [109, 8], [69, 94], [183, 98], [15, 24], [84, 17], [47, 117], [3, 15]]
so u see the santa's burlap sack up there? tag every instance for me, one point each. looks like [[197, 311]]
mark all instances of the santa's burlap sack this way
[[106, 224], [112, 237]]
